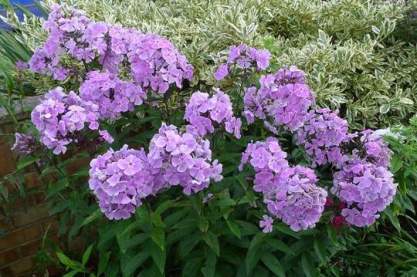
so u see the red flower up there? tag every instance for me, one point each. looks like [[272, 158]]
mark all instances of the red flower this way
[[338, 221], [329, 202]]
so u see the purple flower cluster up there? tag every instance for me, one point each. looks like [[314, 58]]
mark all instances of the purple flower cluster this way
[[362, 179], [321, 135], [298, 201], [366, 188], [150, 60], [290, 193], [112, 95], [266, 223], [120, 180], [182, 159], [59, 116], [243, 57], [202, 111], [290, 75], [66, 37], [130, 64], [267, 158], [122, 66], [284, 97], [24, 144], [156, 63], [369, 146]]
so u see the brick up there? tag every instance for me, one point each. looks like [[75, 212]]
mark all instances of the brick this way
[[19, 267], [50, 225], [76, 165], [33, 214], [39, 198], [6, 224], [16, 237], [32, 180], [30, 248], [7, 160], [32, 232], [11, 240], [8, 256], [5, 272], [24, 205]]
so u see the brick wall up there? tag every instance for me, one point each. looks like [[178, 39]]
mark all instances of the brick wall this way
[[27, 221]]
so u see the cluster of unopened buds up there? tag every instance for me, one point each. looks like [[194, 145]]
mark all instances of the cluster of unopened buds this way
[[129, 66]]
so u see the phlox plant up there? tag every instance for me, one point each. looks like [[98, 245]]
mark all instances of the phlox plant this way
[[192, 178]]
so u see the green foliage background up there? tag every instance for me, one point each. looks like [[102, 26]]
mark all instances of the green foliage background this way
[[360, 58]]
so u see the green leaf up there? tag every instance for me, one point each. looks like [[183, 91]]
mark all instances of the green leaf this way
[[209, 269], [247, 228], [406, 101], [4, 192], [212, 241], [57, 187], [225, 202], [158, 255], [164, 206], [25, 162], [131, 263], [234, 228], [396, 164], [157, 220], [103, 262], [188, 243], [393, 218], [191, 267], [71, 273], [158, 236], [320, 250], [385, 108], [151, 271], [254, 254], [279, 245], [174, 218], [87, 254], [308, 269], [68, 262], [286, 230], [271, 262], [93, 216]]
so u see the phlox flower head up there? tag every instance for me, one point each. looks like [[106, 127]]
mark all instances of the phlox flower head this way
[[290, 193], [150, 61], [322, 135], [289, 103], [282, 98], [66, 30], [243, 57], [24, 144], [290, 75], [204, 112], [264, 156], [60, 116], [266, 224], [112, 95], [21, 65], [157, 64], [369, 146], [298, 201], [366, 188], [182, 159], [120, 180]]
